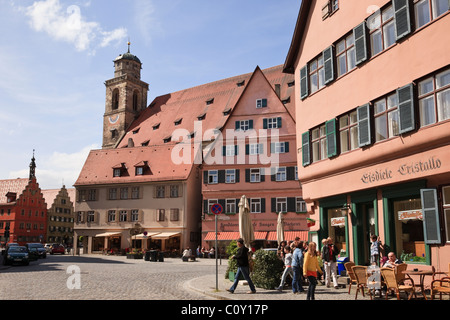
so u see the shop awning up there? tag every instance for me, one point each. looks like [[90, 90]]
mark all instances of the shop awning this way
[[289, 235], [211, 236], [166, 235], [108, 234], [142, 236]]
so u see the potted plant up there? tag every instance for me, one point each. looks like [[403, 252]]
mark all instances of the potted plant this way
[[135, 254]]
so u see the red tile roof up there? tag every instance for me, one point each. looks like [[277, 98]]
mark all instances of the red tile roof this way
[[98, 168], [189, 104], [186, 105], [12, 185]]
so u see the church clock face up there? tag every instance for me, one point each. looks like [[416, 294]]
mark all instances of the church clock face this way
[[113, 119]]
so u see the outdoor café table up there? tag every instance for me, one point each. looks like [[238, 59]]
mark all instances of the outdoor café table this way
[[421, 274]]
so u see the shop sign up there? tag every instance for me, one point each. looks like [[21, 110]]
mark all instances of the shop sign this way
[[410, 215], [338, 222], [405, 169]]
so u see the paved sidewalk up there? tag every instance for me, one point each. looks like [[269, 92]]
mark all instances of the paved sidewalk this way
[[207, 285]]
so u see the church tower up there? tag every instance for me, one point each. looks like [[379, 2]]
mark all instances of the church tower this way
[[126, 97]]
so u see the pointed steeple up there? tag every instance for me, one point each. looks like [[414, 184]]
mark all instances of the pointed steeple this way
[[32, 168]]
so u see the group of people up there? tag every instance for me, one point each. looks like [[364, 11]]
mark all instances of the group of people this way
[[377, 256], [202, 252], [301, 262]]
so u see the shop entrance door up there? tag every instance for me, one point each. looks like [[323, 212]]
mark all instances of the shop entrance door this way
[[365, 227]]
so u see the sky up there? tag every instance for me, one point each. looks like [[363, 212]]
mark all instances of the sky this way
[[55, 56]]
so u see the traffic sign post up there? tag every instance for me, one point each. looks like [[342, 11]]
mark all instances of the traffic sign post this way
[[216, 209]]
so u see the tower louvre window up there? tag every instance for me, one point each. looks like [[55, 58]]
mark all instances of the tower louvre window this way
[[115, 99]]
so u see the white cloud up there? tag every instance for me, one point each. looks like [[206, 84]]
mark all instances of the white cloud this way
[[52, 171], [69, 25]]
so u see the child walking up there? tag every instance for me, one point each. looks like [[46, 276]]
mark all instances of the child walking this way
[[310, 269], [287, 267]]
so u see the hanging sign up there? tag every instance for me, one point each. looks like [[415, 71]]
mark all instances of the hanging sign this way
[[338, 222], [410, 215]]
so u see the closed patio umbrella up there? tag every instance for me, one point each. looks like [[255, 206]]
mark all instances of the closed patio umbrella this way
[[245, 223], [280, 228]]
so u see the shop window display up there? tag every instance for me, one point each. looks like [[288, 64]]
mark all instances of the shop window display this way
[[409, 229]]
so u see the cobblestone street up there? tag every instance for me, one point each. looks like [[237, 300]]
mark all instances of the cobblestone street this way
[[103, 278]]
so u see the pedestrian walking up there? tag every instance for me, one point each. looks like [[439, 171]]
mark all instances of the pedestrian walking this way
[[310, 269], [241, 257], [297, 268], [329, 254], [287, 267]]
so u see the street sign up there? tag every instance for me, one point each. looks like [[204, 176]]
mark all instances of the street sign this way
[[216, 208]]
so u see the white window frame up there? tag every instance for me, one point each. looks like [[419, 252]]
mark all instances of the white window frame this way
[[230, 151], [123, 214], [160, 214], [213, 176], [134, 215], [255, 149], [160, 191], [230, 175], [244, 125], [135, 191], [255, 175], [279, 147], [255, 205], [281, 203], [111, 215], [272, 123], [174, 191], [300, 205], [446, 207], [230, 205], [281, 174], [90, 216]]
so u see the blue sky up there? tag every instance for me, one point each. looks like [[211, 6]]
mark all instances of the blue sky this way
[[55, 56]]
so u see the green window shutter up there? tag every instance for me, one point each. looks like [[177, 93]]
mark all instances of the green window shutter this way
[[306, 152], [262, 175], [406, 108], [236, 150], [264, 103], [205, 177], [237, 125], [402, 18], [364, 131], [290, 173], [330, 130], [430, 212], [250, 124], [222, 202], [328, 63], [224, 151], [304, 82], [264, 123], [237, 175], [360, 36], [279, 122], [221, 176], [247, 175], [291, 204], [286, 147], [272, 147], [273, 203], [247, 149], [205, 206], [263, 205]]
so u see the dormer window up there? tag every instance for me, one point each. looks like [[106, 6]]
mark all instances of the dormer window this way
[[286, 100], [227, 112], [167, 139], [156, 126], [136, 131], [119, 170], [201, 117], [241, 83], [291, 84], [209, 101], [141, 168], [145, 143], [178, 121]]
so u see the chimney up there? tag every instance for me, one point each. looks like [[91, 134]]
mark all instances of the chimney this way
[[130, 143]]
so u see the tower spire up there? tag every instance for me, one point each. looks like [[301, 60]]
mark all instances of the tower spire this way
[[32, 167], [129, 44]]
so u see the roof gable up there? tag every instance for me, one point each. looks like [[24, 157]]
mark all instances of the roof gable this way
[[16, 186]]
